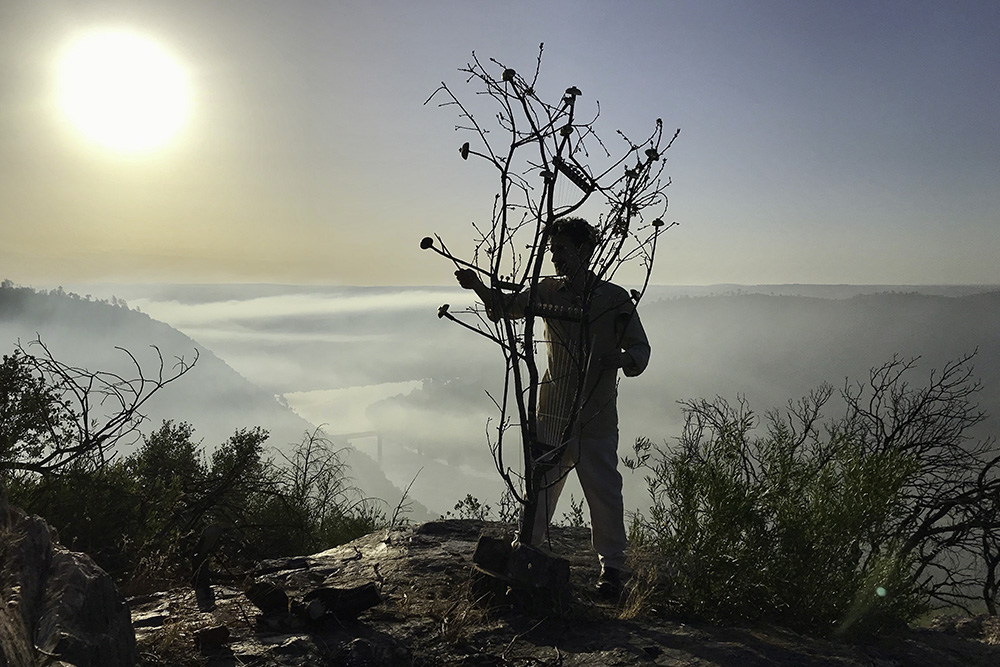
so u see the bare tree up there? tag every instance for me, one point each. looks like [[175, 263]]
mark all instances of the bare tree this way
[[541, 153], [947, 518]]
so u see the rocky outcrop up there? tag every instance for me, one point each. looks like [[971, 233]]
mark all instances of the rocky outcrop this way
[[58, 607], [434, 608]]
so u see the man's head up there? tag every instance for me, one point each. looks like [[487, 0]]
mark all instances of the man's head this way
[[571, 241]]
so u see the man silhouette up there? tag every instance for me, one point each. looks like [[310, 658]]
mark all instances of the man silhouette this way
[[591, 330]]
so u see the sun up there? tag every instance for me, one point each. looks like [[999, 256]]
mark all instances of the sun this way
[[123, 90]]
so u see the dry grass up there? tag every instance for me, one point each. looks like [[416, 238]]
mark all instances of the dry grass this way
[[645, 586], [457, 612], [171, 644], [980, 627], [155, 571]]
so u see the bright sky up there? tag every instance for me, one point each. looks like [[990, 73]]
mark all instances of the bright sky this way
[[822, 142]]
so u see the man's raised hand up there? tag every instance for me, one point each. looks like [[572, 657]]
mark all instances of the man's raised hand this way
[[468, 279]]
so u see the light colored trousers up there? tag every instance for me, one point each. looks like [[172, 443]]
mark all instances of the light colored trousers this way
[[595, 460]]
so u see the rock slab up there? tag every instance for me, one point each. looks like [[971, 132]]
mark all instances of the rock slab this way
[[57, 605]]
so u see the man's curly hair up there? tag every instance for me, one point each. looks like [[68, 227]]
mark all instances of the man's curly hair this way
[[580, 232]]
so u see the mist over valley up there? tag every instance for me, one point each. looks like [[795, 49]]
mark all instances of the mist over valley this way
[[377, 369]]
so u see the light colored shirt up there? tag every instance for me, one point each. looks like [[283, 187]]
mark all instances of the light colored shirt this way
[[579, 330]]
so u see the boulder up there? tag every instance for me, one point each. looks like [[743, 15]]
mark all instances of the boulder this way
[[58, 605], [25, 553]]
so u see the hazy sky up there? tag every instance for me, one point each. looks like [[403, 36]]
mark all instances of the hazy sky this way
[[822, 142]]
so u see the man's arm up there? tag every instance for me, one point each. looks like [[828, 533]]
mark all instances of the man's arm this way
[[496, 305], [635, 346], [633, 355]]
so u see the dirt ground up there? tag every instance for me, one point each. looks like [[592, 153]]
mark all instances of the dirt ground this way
[[434, 611]]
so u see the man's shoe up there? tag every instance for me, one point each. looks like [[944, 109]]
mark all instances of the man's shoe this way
[[611, 583]]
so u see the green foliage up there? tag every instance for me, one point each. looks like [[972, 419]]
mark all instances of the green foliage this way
[[30, 412], [146, 512], [764, 527], [315, 506], [832, 527], [92, 507], [574, 518], [470, 507], [149, 509], [508, 509]]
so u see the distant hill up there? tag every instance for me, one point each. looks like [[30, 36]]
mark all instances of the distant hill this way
[[773, 348], [213, 398]]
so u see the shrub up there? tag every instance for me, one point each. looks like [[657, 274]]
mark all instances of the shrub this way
[[315, 506], [824, 526], [141, 517], [470, 507], [30, 412], [91, 507], [60, 426]]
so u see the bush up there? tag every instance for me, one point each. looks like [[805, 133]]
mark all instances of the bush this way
[[471, 507], [30, 412], [315, 506], [92, 507], [845, 525], [141, 517]]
